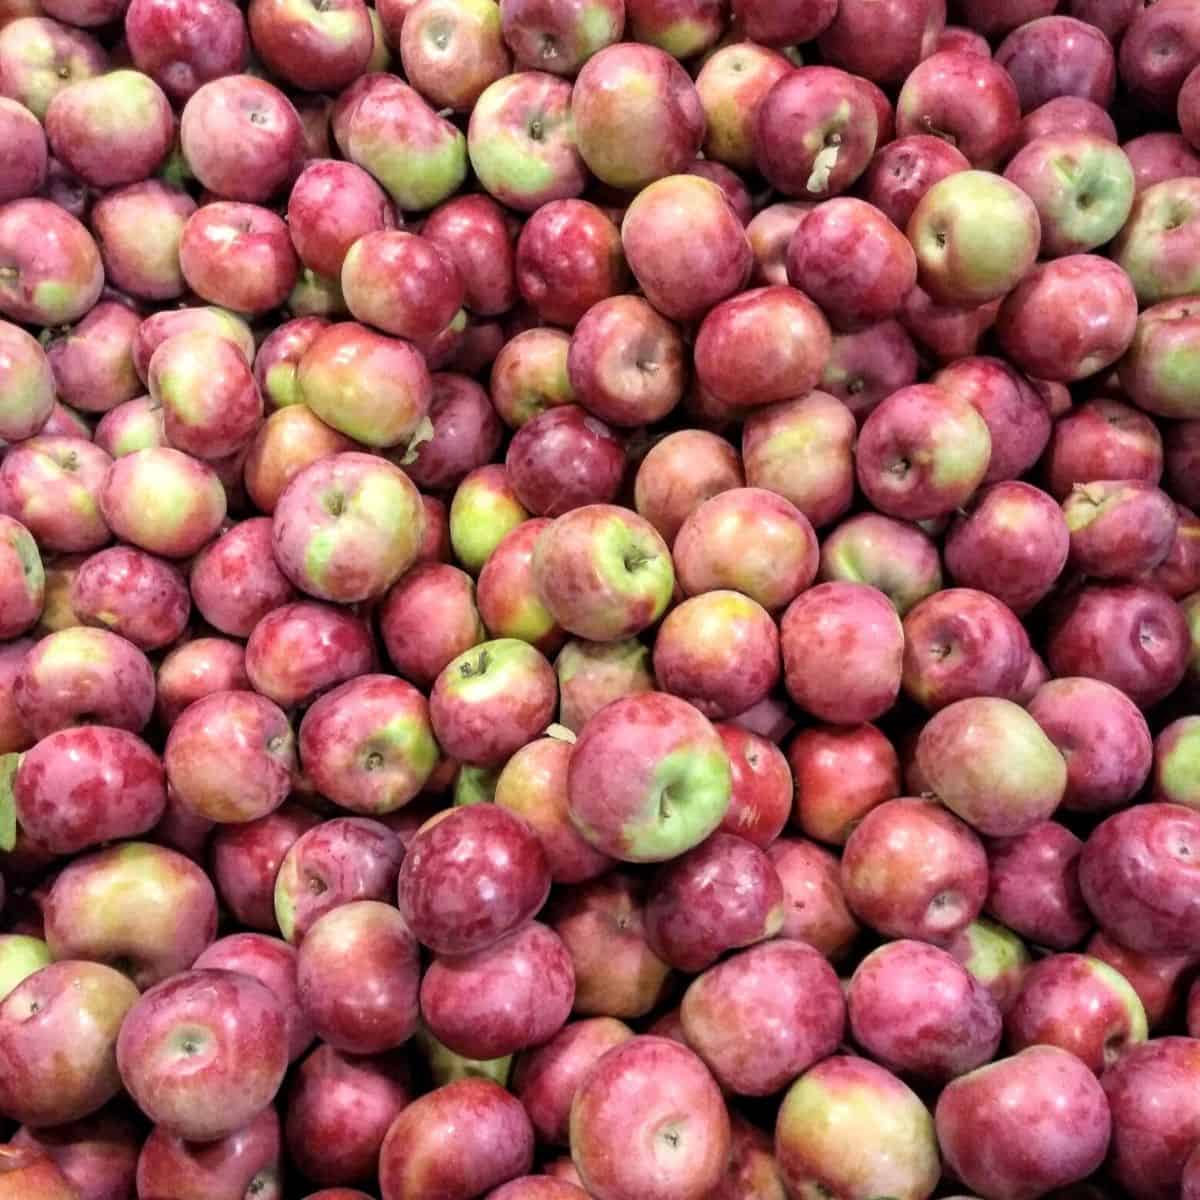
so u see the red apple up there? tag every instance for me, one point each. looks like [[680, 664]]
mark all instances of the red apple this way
[[55, 487], [884, 45], [93, 362], [97, 1156], [815, 910], [558, 37], [452, 52], [53, 273], [183, 44], [314, 47], [1059, 56], [1102, 439], [466, 434], [894, 556]]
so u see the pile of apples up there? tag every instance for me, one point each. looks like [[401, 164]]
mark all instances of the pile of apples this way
[[599, 598]]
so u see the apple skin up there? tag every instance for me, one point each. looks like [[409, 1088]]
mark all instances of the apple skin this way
[[466, 434], [475, 232], [656, 1083], [911, 869], [1057, 56], [996, 1132], [1120, 529], [679, 473], [236, 1028], [883, 45], [287, 442], [22, 578], [505, 998], [1079, 1004], [1155, 371], [993, 739], [83, 786], [866, 365], [145, 908], [97, 1156], [815, 909], [1135, 875], [1159, 156], [167, 323], [338, 1109], [235, 581], [93, 361], [1157, 53], [731, 85], [901, 172], [1154, 243], [559, 38], [636, 114], [484, 510], [1011, 542], [41, 57], [1182, 452], [591, 674], [488, 1130], [135, 425], [26, 162], [58, 1034], [1126, 634], [842, 647], [770, 231], [815, 132], [1068, 116], [1149, 1148], [183, 44], [451, 53], [1102, 439], [764, 1015], [995, 956], [27, 1173], [849, 1099], [246, 1161], [1174, 758], [15, 733], [761, 797], [1103, 737], [317, 49], [548, 1076], [675, 792], [245, 860], [480, 846], [533, 785], [895, 557], [917, 1012], [602, 924], [352, 858], [28, 382], [357, 974]]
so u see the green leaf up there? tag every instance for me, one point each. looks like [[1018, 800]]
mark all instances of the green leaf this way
[[8, 806]]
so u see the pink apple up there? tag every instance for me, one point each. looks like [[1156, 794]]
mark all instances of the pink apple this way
[[183, 44], [54, 274]]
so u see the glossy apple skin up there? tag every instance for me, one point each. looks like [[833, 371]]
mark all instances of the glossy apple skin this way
[[300, 650], [466, 434], [761, 796], [851, 639], [1102, 439], [58, 1033], [1155, 370], [770, 230], [1149, 1150], [167, 323], [479, 849], [915, 1010], [901, 172], [995, 956], [235, 581], [28, 383], [844, 1099], [55, 486], [1068, 116], [475, 233], [590, 674], [895, 557], [242, 1047], [352, 858], [43, 56], [1129, 635], [1059, 56], [1119, 529], [317, 49], [97, 1156], [138, 596], [866, 365], [679, 473], [488, 1130], [913, 869], [331, 205], [286, 443], [91, 784], [1135, 873], [815, 909], [27, 154], [1174, 757], [1154, 243], [58, 274], [15, 733], [183, 44], [996, 1132]]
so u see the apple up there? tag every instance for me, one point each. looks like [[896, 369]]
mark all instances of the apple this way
[[815, 910], [97, 1155], [135, 425], [1156, 369], [280, 354], [462, 1139], [333, 863], [331, 205], [28, 384], [1056, 56], [235, 581], [591, 674], [184, 44], [895, 557], [93, 363], [911, 869], [1182, 451], [20, 956], [160, 326], [1174, 756], [761, 796], [320, 48], [1152, 247], [195, 669], [557, 37], [27, 1173], [27, 155], [947, 331], [286, 443], [203, 1053], [452, 52], [679, 473], [1024, 1125], [901, 172], [1067, 115], [602, 924], [22, 578], [770, 231], [58, 1037], [915, 1010], [1119, 529], [731, 85], [995, 956], [1102, 439], [848, 1099], [1158, 156], [41, 57], [53, 274]]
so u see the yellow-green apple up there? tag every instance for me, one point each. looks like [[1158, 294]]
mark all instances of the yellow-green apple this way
[[649, 1120], [844, 1100], [1175, 754], [766, 345], [731, 85], [591, 674], [196, 668], [167, 323], [1156, 373], [1128, 634], [27, 387], [901, 172], [54, 485], [719, 651], [452, 51], [238, 255], [476, 233], [429, 617], [966, 99], [815, 910], [357, 974], [995, 956], [677, 788], [331, 205], [916, 1011], [481, 847], [975, 235], [896, 557], [1155, 244], [20, 956], [235, 581], [1103, 737], [530, 371], [843, 646], [912, 869], [484, 510], [26, 154], [769, 231], [28, 1173], [815, 132], [183, 44], [996, 1131], [204, 1053], [141, 598], [603, 572], [462, 1139], [41, 57], [509, 605], [751, 540], [803, 450], [143, 908], [319, 48], [466, 434], [636, 114], [52, 273], [80, 787], [1102, 438], [547, 35], [722, 895], [351, 857], [338, 1108], [286, 443], [840, 773], [93, 361], [1120, 529], [22, 579]]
